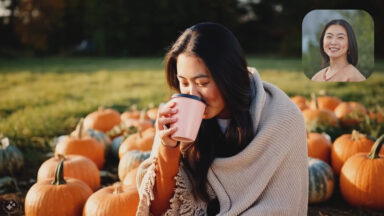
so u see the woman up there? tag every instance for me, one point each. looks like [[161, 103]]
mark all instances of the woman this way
[[250, 156], [338, 47]]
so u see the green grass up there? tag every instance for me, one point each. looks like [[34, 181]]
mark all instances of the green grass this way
[[44, 98]]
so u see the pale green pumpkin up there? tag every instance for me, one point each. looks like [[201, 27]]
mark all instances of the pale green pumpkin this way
[[11, 158], [321, 181]]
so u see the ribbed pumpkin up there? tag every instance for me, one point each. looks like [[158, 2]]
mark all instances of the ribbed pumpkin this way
[[321, 181], [326, 102], [58, 196], [142, 141], [102, 119], [116, 200], [347, 145], [319, 146], [116, 142], [86, 146], [130, 178], [350, 114], [130, 161], [75, 166], [300, 101], [318, 116], [362, 178], [11, 159], [100, 136]]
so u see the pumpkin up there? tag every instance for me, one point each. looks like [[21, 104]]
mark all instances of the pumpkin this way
[[319, 146], [347, 145], [102, 119], [142, 141], [321, 181], [350, 114], [130, 161], [116, 200], [116, 142], [11, 159], [362, 179], [323, 117], [326, 102], [300, 101], [75, 166], [378, 116], [60, 197], [85, 146], [134, 114], [127, 125], [152, 113], [130, 178], [100, 136]]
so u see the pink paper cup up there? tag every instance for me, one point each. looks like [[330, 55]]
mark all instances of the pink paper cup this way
[[189, 116]]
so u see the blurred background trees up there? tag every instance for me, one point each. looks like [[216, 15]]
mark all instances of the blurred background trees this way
[[148, 27]]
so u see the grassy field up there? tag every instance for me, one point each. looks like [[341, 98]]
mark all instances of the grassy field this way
[[44, 98]]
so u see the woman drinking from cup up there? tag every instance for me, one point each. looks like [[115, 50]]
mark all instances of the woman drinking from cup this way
[[250, 154]]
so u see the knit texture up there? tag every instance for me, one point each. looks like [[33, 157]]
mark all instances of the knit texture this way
[[269, 177]]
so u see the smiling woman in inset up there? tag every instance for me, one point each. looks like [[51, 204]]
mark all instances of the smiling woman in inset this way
[[338, 47]]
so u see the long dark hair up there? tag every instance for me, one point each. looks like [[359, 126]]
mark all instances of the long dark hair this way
[[352, 56], [222, 54]]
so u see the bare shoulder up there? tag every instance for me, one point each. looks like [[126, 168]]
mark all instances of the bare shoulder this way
[[318, 76], [355, 75]]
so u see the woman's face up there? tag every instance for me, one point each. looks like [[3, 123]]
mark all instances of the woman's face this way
[[195, 79], [335, 42]]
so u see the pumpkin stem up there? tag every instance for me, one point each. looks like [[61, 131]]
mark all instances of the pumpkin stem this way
[[142, 115], [61, 157], [355, 135], [59, 174], [79, 128], [140, 131], [117, 188], [376, 148], [314, 98]]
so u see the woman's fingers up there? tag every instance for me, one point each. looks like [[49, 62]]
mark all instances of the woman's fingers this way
[[167, 109]]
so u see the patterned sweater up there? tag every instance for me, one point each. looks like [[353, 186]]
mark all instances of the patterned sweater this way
[[268, 177]]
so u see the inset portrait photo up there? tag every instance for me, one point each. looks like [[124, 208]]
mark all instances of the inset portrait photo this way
[[338, 45]]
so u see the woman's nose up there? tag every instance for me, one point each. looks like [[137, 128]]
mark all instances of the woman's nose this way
[[192, 90]]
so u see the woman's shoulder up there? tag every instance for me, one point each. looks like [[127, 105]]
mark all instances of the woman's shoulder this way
[[318, 75], [354, 74]]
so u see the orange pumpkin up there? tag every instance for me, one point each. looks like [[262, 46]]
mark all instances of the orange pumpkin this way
[[346, 146], [326, 102], [76, 166], [130, 178], [85, 146], [322, 117], [319, 146], [362, 179], [152, 113], [60, 197], [116, 200], [350, 114], [142, 141], [102, 119], [378, 116], [300, 101], [130, 161]]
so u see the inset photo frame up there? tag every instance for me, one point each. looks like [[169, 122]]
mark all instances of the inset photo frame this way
[[338, 45]]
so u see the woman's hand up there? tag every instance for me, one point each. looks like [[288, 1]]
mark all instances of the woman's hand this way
[[164, 119]]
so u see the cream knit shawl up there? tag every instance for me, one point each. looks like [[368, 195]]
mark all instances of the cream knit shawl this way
[[269, 177]]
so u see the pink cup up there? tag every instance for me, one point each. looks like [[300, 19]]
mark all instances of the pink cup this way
[[189, 116]]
